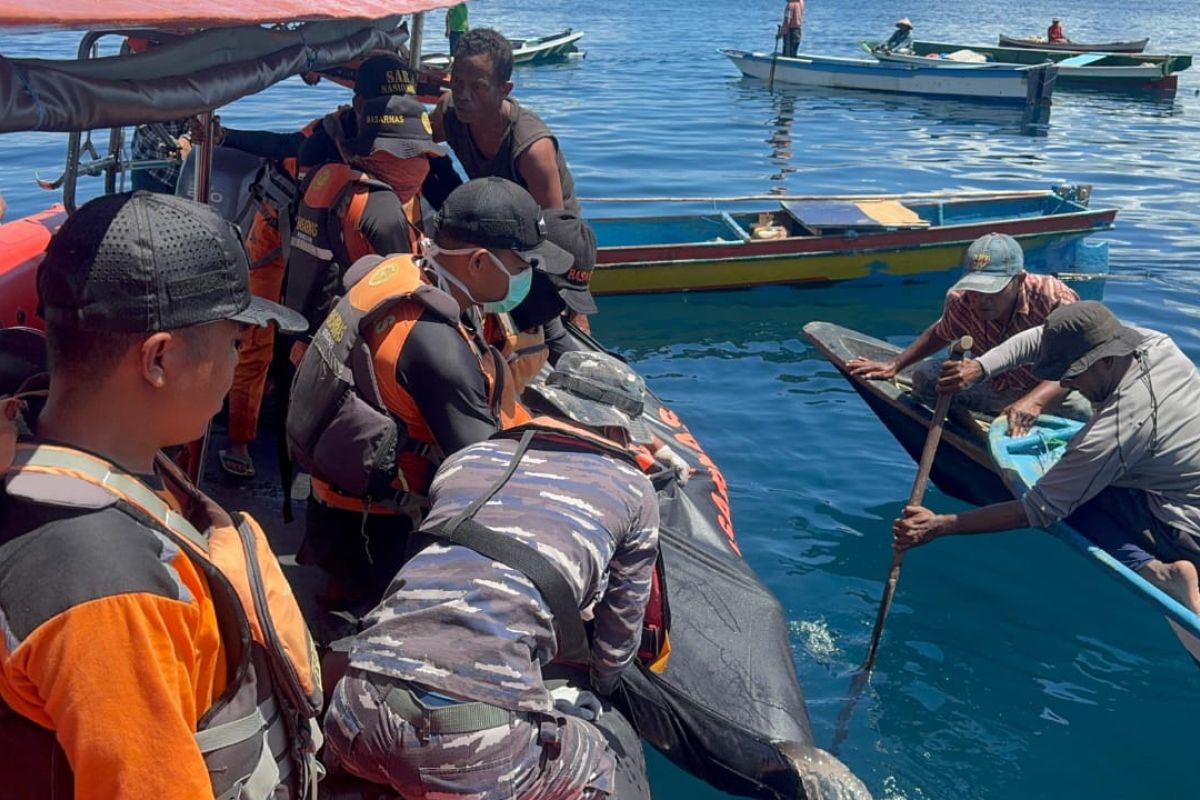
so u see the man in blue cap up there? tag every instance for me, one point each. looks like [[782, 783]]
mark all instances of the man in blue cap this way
[[993, 300]]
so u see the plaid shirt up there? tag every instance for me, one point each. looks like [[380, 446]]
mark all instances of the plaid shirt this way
[[145, 147], [1040, 294]]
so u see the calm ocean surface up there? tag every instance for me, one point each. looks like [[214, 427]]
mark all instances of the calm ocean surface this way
[[1010, 668]]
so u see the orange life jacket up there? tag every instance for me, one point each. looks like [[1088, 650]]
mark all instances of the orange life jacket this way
[[276, 193], [327, 237], [525, 352], [261, 736], [350, 422]]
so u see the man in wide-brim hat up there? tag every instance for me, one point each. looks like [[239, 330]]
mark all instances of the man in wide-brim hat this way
[[1128, 479]]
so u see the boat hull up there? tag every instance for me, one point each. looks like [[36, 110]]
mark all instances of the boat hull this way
[[1020, 86], [714, 251], [963, 468], [1133, 46], [526, 51], [1144, 75], [1022, 461], [1113, 72]]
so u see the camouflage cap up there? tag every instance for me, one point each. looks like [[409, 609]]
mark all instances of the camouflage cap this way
[[599, 391]]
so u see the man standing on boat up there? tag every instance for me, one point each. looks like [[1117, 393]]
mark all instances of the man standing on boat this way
[[790, 29], [456, 25], [399, 377], [151, 644], [552, 523], [1129, 479], [995, 299], [901, 39], [493, 135]]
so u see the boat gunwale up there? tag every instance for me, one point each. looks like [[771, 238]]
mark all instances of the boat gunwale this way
[[610, 256]]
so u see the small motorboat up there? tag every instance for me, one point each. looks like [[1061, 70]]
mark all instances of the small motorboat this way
[[526, 51]]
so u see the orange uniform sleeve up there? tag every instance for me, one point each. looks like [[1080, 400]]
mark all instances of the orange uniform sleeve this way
[[123, 680]]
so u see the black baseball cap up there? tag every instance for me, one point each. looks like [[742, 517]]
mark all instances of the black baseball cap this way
[[398, 124], [383, 76], [567, 230], [497, 213], [1078, 335], [142, 262]]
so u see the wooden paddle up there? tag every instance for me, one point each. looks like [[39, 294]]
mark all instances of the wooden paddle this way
[[774, 59], [957, 352]]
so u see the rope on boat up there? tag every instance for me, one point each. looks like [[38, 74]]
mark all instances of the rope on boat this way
[[803, 197]]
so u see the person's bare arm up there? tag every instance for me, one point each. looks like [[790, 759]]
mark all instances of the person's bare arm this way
[[538, 167], [926, 345], [920, 526], [1024, 412]]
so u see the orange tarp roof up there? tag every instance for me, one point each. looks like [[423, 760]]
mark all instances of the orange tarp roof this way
[[108, 14]]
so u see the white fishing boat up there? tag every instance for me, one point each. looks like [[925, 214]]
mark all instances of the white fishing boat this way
[[1025, 85], [527, 51]]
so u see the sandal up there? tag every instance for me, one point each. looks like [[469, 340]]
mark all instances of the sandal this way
[[236, 466]]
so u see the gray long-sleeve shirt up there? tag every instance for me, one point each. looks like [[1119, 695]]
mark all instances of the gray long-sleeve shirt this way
[[1145, 435]]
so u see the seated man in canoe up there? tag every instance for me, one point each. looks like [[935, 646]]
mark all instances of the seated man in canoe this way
[[529, 533], [995, 299], [1143, 441], [1054, 34], [901, 39]]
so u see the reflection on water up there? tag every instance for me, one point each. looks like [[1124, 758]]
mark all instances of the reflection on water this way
[[903, 111]]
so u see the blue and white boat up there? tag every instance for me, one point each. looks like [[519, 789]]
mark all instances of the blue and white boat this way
[[1031, 84], [1024, 459]]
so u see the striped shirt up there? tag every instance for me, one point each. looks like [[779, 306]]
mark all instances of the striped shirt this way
[[1040, 294], [460, 623]]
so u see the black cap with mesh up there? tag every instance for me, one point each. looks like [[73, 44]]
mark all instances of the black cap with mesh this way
[[140, 262], [497, 213]]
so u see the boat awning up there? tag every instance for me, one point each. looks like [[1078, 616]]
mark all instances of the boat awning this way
[[196, 71], [119, 14]]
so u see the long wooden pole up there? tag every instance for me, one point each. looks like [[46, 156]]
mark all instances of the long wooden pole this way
[[774, 60], [957, 352]]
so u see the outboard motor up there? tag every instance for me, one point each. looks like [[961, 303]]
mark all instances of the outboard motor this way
[[229, 191]]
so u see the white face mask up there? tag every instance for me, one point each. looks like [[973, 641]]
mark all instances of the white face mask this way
[[518, 285]]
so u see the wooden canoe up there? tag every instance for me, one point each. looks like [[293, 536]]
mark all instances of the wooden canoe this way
[[1040, 43], [1157, 71], [1022, 461], [868, 239]]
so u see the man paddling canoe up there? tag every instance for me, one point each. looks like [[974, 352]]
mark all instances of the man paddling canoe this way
[[1130, 479]]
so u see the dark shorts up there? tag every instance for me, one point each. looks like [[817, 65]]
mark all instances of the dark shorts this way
[[365, 736], [360, 554], [1119, 521]]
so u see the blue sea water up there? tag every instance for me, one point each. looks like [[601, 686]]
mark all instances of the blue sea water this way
[[1009, 668]]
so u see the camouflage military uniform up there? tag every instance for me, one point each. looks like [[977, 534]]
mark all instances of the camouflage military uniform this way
[[467, 628]]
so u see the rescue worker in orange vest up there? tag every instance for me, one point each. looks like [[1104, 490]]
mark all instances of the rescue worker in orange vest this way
[[151, 644], [368, 205], [399, 376], [288, 159]]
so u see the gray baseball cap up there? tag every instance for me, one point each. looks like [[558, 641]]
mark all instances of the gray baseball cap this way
[[599, 391], [992, 261]]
